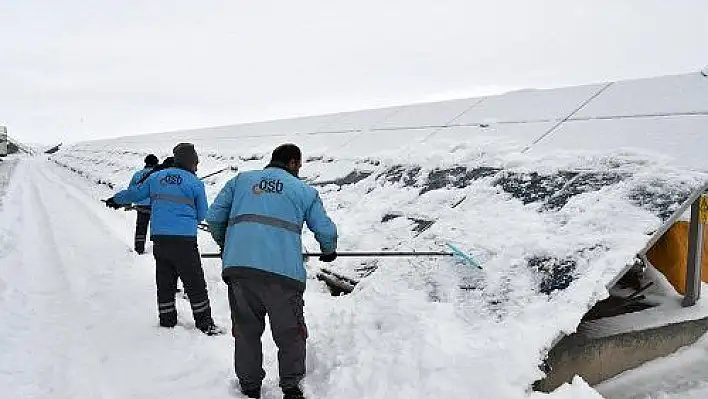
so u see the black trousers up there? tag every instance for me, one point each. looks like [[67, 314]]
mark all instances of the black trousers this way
[[250, 300], [141, 227], [179, 258]]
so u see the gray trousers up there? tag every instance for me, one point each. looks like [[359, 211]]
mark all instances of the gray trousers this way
[[250, 300]]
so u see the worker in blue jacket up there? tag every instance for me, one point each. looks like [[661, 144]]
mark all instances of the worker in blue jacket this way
[[178, 204], [142, 208], [257, 221]]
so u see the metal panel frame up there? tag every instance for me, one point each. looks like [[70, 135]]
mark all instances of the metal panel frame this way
[[695, 252], [662, 229]]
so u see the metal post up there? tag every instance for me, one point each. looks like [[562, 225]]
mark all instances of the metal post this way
[[695, 251]]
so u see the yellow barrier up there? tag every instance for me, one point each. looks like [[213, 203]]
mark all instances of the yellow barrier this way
[[670, 254], [703, 209]]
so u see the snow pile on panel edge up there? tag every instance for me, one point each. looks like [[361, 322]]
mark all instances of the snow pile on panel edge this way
[[409, 330]]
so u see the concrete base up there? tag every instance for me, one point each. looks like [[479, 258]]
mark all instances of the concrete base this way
[[597, 359]]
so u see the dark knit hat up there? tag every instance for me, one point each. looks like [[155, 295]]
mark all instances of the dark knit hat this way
[[151, 160], [284, 153], [168, 162], [185, 155]]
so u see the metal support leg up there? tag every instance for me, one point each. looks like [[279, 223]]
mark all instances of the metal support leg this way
[[695, 250]]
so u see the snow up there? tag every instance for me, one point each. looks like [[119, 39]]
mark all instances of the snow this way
[[78, 307], [529, 105], [7, 165], [514, 136], [552, 228], [674, 139], [390, 142], [579, 389], [681, 375], [667, 310], [360, 120], [664, 95], [430, 114]]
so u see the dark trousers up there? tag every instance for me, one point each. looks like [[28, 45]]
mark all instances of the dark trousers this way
[[250, 300], [175, 258], [141, 227]]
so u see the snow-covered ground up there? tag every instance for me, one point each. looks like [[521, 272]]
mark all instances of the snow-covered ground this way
[[7, 165], [682, 375]]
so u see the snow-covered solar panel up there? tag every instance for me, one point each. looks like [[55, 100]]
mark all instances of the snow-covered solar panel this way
[[426, 115], [681, 140], [655, 96], [529, 105], [513, 136], [376, 143], [359, 120]]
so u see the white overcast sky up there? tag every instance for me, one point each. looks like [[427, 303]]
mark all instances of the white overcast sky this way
[[73, 70]]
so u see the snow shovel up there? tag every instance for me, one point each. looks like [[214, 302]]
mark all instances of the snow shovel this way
[[456, 252]]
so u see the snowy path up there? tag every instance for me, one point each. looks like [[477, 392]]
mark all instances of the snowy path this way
[[77, 307]]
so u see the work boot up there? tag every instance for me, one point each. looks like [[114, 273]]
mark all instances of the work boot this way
[[252, 393], [292, 393], [168, 320], [211, 329]]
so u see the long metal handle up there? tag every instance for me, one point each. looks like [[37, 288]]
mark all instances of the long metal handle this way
[[233, 168], [380, 254], [361, 254]]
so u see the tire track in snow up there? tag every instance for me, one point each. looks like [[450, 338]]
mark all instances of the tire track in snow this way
[[85, 308], [38, 360], [87, 259], [57, 304], [96, 212]]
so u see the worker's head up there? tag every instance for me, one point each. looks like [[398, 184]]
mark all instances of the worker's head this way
[[288, 156], [151, 161], [186, 156], [168, 162]]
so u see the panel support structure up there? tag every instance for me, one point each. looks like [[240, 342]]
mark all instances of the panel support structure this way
[[695, 251]]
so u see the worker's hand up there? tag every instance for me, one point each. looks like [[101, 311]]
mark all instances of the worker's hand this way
[[329, 257], [111, 203]]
